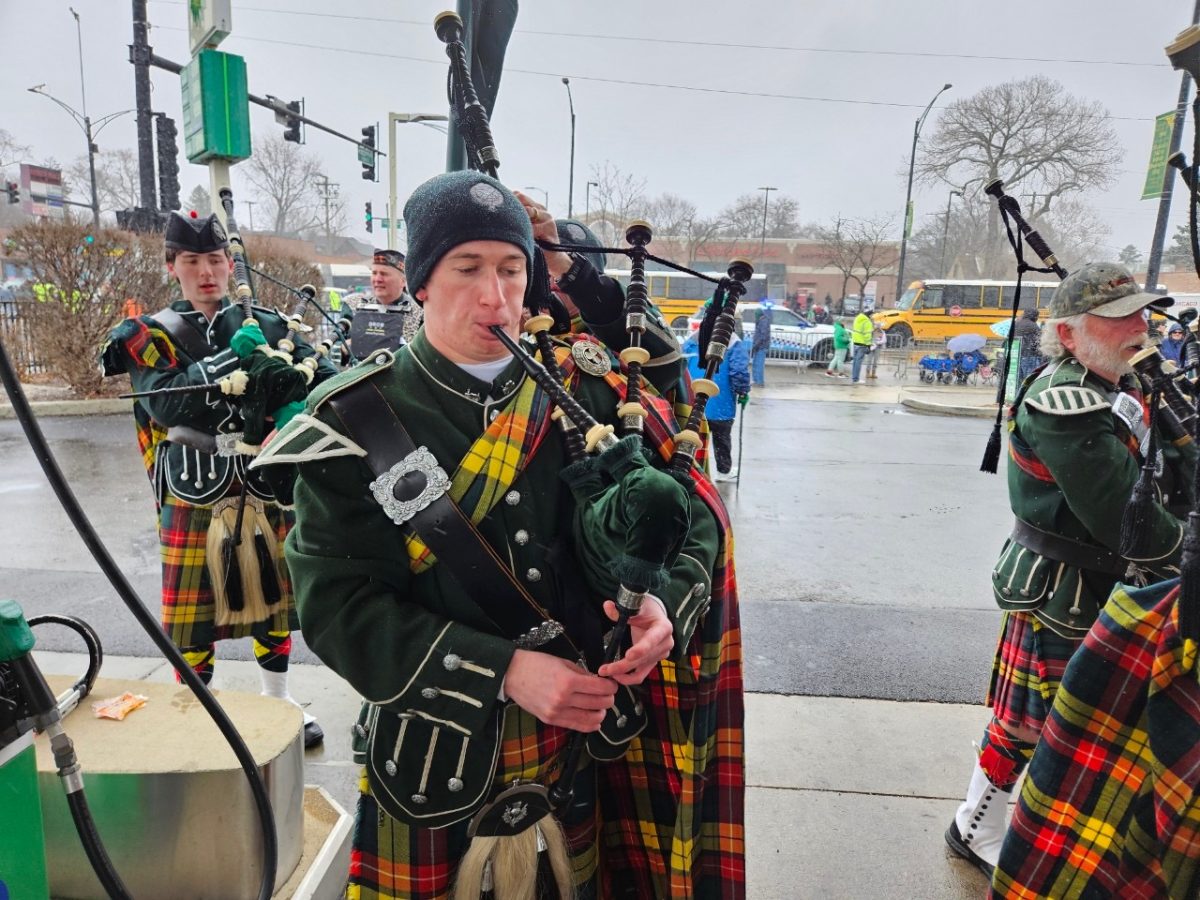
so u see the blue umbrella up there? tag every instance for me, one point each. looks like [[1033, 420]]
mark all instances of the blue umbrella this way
[[1001, 328], [966, 343]]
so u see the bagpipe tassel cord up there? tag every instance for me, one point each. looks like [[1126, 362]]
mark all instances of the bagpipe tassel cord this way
[[991, 453], [1135, 520], [508, 866], [1189, 588]]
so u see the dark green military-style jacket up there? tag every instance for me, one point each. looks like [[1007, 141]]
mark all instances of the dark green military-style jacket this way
[[176, 430], [416, 645], [1073, 464]]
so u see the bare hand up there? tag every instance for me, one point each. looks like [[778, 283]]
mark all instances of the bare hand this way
[[558, 692], [545, 229], [653, 637]]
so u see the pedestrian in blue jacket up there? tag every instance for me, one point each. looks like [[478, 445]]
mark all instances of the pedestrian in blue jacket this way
[[733, 378]]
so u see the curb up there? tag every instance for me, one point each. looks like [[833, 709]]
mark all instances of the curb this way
[[945, 409], [102, 407]]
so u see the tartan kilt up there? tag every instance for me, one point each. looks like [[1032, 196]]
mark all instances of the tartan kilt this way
[[392, 861], [1027, 670], [188, 614], [1110, 806]]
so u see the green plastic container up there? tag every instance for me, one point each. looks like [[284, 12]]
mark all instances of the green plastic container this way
[[22, 847]]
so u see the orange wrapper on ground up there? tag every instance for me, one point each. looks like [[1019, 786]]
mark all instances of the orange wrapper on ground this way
[[118, 707]]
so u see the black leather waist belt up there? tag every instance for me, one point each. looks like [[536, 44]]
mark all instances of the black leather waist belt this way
[[1069, 551], [412, 489]]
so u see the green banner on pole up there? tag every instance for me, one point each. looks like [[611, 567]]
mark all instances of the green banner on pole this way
[[1157, 171], [216, 107], [908, 219]]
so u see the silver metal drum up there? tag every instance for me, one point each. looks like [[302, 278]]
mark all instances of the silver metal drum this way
[[170, 801]]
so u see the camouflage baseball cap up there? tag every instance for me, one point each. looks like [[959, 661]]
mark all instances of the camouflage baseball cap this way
[[1102, 289]]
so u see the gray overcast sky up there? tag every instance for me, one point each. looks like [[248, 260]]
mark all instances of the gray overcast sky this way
[[847, 81]]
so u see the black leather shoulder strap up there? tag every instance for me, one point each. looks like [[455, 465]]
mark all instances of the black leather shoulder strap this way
[[183, 334], [371, 422]]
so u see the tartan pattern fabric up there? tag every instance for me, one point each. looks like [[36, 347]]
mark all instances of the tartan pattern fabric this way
[[390, 861], [187, 597], [1026, 671], [1109, 807], [673, 806], [492, 463]]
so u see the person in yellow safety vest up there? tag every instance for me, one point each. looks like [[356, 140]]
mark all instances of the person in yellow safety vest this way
[[860, 340]]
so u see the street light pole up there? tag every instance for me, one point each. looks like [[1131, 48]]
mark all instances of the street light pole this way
[[571, 176], [393, 120], [912, 162], [766, 197], [946, 231], [587, 200]]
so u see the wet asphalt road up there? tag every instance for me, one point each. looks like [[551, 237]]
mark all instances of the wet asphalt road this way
[[864, 540]]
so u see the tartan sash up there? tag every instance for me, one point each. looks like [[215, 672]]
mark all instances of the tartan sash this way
[[492, 464]]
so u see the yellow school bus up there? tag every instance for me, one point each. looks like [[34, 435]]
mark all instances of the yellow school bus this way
[[934, 310], [678, 294]]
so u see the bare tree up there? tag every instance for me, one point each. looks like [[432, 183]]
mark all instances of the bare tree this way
[[117, 181], [200, 201], [859, 249], [1046, 144], [11, 150], [673, 216], [282, 176], [85, 280], [620, 196], [743, 218]]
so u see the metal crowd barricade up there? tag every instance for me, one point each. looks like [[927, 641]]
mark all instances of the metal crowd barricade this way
[[14, 327]]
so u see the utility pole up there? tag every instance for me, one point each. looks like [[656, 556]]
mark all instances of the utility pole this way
[[250, 209], [946, 230], [327, 191], [766, 198], [906, 227], [1164, 201], [139, 54]]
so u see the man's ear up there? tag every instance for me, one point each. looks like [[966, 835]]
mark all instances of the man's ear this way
[[230, 261], [171, 270], [422, 295]]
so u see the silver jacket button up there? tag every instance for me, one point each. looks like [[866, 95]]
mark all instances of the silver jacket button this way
[[455, 785], [451, 661], [429, 693], [419, 799], [492, 415], [533, 575], [390, 768], [512, 498], [521, 537]]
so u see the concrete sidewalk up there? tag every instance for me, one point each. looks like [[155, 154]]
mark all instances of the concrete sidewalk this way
[[847, 798]]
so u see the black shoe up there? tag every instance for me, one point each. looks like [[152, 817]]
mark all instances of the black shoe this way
[[956, 843], [313, 735]]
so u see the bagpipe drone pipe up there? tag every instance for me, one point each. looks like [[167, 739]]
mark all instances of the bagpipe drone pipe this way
[[641, 512]]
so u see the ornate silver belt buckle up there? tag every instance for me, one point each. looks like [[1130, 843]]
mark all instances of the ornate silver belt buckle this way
[[437, 482]]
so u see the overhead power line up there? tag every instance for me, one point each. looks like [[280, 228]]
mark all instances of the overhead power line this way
[[658, 41], [620, 81]]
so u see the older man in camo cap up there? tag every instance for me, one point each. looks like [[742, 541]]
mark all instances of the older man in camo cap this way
[[1077, 431]]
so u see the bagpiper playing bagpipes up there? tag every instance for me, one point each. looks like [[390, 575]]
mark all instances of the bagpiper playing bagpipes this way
[[211, 378], [1110, 805], [540, 613]]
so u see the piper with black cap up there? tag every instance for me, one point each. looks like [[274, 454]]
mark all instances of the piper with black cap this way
[[437, 570], [198, 399]]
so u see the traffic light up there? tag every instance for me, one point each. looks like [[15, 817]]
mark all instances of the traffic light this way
[[370, 219], [366, 153], [168, 162], [292, 130], [13, 190]]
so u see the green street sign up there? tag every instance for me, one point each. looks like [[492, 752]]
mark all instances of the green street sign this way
[[216, 107], [1157, 171], [366, 156]]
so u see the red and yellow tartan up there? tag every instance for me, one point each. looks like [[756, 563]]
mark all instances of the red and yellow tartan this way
[[1026, 671], [671, 821], [1110, 805], [187, 599]]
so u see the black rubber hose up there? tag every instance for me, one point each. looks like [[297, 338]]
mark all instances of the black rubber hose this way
[[129, 597], [90, 638], [85, 825]]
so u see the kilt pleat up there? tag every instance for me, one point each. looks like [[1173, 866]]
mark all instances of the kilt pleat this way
[[1027, 670]]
